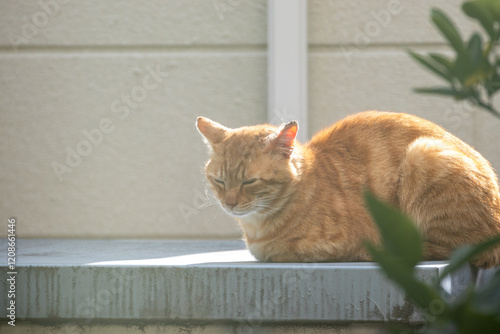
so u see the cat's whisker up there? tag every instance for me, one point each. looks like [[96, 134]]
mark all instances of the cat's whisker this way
[[211, 199], [219, 210], [208, 203]]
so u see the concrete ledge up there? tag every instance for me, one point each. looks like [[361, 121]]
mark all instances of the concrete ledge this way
[[205, 281]]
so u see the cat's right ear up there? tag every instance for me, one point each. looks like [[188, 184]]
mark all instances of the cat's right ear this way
[[285, 140], [212, 132]]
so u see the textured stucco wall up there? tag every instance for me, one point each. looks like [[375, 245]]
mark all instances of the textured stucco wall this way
[[135, 75], [99, 100], [358, 61]]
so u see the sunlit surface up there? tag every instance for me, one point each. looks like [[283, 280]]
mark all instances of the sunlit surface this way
[[184, 260]]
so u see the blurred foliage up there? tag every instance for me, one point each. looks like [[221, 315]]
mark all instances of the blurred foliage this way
[[477, 310], [473, 72]]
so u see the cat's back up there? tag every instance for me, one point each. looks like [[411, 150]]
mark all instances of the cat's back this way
[[374, 128], [385, 134], [368, 149]]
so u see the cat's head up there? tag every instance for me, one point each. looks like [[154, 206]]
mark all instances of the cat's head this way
[[251, 169]]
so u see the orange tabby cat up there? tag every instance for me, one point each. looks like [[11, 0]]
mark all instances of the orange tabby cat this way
[[305, 203]]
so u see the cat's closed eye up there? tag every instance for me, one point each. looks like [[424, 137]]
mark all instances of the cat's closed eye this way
[[244, 183], [249, 181], [220, 182]]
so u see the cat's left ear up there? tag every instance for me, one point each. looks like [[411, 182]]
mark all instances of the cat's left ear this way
[[212, 132], [285, 140]]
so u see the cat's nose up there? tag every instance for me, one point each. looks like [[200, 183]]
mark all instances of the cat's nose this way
[[231, 199], [231, 204]]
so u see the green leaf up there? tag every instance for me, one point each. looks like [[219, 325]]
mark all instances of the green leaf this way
[[421, 294], [475, 68], [492, 85], [475, 49], [480, 11], [446, 91], [477, 322], [447, 29], [494, 7], [463, 67], [433, 65], [447, 66], [463, 255], [472, 320], [400, 237], [442, 60], [487, 12]]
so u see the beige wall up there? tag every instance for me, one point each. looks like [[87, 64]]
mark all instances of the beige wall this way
[[121, 82], [358, 61]]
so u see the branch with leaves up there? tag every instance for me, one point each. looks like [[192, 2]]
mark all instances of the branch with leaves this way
[[475, 311], [473, 72]]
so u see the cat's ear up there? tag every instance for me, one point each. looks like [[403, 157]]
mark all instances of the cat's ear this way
[[211, 131], [285, 140]]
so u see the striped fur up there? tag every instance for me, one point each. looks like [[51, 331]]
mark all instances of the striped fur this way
[[304, 203]]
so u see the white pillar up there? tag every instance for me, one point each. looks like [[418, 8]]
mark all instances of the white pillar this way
[[287, 63]]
